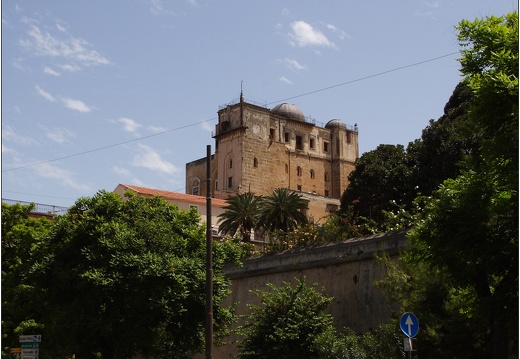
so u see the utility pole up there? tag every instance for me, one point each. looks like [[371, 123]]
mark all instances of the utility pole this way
[[209, 260]]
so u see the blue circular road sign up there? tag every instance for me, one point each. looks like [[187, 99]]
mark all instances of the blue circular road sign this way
[[409, 324]]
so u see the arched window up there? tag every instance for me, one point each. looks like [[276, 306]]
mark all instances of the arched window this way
[[230, 163], [312, 174], [299, 171], [326, 177], [286, 168]]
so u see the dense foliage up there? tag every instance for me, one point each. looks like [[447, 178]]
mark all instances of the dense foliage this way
[[461, 271], [21, 299], [118, 278], [290, 322], [283, 210]]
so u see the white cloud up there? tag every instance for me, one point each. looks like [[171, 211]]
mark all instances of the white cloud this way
[[207, 126], [64, 177], [342, 34], [45, 94], [9, 134], [156, 129], [50, 71], [149, 158], [121, 171], [43, 43], [129, 125], [303, 34], [58, 135], [76, 105], [70, 67], [286, 80], [293, 65]]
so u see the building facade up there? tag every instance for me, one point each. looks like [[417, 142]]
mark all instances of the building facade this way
[[258, 150]]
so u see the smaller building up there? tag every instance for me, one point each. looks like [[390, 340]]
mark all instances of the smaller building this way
[[181, 200]]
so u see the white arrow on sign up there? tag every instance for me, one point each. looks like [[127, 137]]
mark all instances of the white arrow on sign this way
[[409, 323]]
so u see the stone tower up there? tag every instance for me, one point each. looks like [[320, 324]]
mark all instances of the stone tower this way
[[258, 150]]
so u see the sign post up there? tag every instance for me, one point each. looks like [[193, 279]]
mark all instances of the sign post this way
[[30, 346], [410, 326]]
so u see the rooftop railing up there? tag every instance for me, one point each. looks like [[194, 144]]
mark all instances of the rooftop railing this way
[[39, 207]]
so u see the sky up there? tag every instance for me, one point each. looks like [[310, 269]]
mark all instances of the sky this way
[[97, 93]]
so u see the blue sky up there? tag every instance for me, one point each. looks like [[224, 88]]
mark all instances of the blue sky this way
[[97, 93]]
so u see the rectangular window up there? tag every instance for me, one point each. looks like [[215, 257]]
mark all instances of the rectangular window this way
[[312, 143], [325, 146], [287, 137], [195, 191], [271, 133], [326, 193], [230, 182], [299, 188], [349, 139], [216, 184], [299, 143]]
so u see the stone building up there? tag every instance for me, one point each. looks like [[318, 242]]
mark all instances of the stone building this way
[[258, 150]]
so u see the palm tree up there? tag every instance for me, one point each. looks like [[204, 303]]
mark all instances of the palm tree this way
[[241, 214], [282, 210]]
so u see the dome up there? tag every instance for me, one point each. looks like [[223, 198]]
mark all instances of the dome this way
[[289, 111], [335, 124]]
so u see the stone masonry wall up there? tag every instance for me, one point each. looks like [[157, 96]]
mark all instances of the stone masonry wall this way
[[347, 271]]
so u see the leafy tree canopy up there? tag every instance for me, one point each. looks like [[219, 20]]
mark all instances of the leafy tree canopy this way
[[122, 277], [21, 300], [287, 323]]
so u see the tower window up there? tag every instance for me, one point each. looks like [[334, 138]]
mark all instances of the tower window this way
[[325, 146], [195, 187], [255, 162], [299, 143], [286, 168], [230, 182], [299, 188], [326, 193], [299, 171], [287, 137], [230, 163], [349, 137], [326, 177], [271, 133], [312, 143], [312, 174]]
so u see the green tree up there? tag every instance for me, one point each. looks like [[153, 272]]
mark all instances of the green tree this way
[[445, 145], [289, 323], [241, 215], [460, 272], [490, 63], [381, 176], [282, 210], [21, 308], [470, 230], [122, 277]]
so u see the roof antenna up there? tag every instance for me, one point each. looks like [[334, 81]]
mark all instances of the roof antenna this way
[[241, 94]]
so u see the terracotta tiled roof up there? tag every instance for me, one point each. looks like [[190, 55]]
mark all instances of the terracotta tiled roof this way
[[216, 202]]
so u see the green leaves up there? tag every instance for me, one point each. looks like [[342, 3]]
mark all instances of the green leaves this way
[[287, 324], [118, 278]]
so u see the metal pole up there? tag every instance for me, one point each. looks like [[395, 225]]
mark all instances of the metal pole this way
[[209, 260]]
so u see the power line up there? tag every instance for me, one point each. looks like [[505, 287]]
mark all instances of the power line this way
[[366, 77], [198, 123], [106, 147]]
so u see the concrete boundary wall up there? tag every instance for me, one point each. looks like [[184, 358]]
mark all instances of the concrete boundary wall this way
[[347, 271]]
